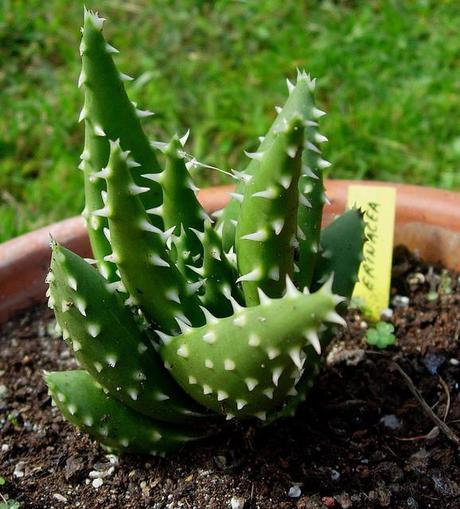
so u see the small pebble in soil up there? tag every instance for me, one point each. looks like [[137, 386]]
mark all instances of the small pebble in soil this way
[[400, 301], [97, 483], [391, 421], [433, 361], [60, 497], [335, 475], [294, 491], [237, 503], [415, 279], [3, 391], [412, 503], [19, 469], [386, 314], [454, 362]]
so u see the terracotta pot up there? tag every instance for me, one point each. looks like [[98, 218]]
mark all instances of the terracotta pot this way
[[427, 222]]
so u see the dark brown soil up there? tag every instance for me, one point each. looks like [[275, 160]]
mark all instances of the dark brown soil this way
[[362, 440]]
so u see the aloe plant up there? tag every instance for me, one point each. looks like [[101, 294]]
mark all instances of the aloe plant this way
[[186, 322]]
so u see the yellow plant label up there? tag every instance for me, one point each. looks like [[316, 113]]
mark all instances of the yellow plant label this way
[[378, 205]]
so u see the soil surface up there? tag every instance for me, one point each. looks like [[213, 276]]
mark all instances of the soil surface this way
[[362, 439]]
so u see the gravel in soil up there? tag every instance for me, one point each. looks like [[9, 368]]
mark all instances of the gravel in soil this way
[[362, 439]]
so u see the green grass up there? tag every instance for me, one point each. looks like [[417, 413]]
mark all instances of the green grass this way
[[388, 76]]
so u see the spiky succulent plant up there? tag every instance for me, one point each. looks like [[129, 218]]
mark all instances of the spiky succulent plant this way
[[185, 322]]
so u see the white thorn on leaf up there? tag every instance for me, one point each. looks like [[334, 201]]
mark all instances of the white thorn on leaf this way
[[258, 236], [251, 383], [183, 326], [269, 392], [182, 351], [112, 258], [276, 374], [291, 290], [304, 201], [254, 340], [183, 139], [300, 233], [291, 151], [277, 225], [254, 155], [155, 211], [134, 189], [160, 145], [229, 365], [307, 171], [210, 337], [131, 163], [173, 295], [241, 175], [317, 113], [319, 138], [295, 355], [254, 275], [158, 261], [125, 77], [327, 286], [110, 49], [81, 78], [210, 318], [269, 193], [273, 352], [264, 299], [165, 338], [156, 177], [261, 415], [290, 85], [322, 164], [285, 181], [240, 320], [144, 113], [235, 304], [241, 403], [192, 288], [334, 317], [278, 109], [221, 395], [72, 282], [98, 131], [313, 339], [104, 212], [82, 114], [313, 147], [237, 196], [149, 227], [197, 270]]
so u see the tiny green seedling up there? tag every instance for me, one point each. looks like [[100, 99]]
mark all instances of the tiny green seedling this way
[[188, 320], [381, 335]]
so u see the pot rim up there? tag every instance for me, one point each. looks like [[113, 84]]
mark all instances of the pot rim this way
[[427, 222]]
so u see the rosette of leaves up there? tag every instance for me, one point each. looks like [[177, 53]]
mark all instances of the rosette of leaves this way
[[187, 320]]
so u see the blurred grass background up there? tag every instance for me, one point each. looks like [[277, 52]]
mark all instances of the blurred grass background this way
[[388, 76]]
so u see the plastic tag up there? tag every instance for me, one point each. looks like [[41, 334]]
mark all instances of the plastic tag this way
[[378, 205]]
